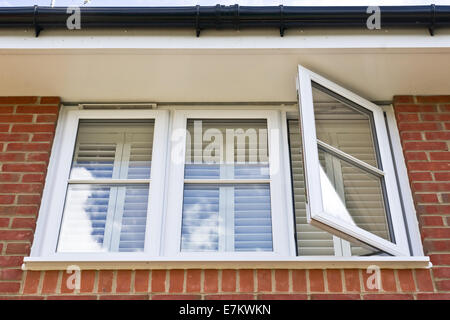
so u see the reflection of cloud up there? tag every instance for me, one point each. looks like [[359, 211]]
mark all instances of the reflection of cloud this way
[[81, 173], [332, 203]]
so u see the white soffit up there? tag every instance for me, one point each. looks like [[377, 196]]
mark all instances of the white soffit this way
[[151, 66]]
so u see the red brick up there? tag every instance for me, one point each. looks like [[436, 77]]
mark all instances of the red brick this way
[[37, 109], [4, 128], [16, 234], [424, 166], [23, 223], [9, 177], [72, 297], [6, 109], [437, 245], [159, 280], [16, 118], [11, 157], [246, 281], [105, 281], [24, 167], [11, 274], [281, 280], [433, 99], [299, 281], [42, 156], [87, 278], [335, 296], [264, 278], [433, 209], [436, 232], [406, 280], [408, 117], [17, 100], [125, 297], [334, 280], [123, 281], [416, 156], [439, 135], [9, 137], [426, 198], [440, 156], [432, 221], [228, 280], [42, 137], [7, 199], [388, 280], [4, 222], [429, 145], [408, 135], [423, 280], [316, 281], [9, 287], [141, 279], [176, 297], [193, 278], [46, 118], [33, 177], [29, 199], [443, 285], [50, 100], [435, 117], [282, 296], [35, 128], [230, 297], [176, 282], [50, 281], [441, 273], [18, 248], [31, 282], [433, 296], [10, 261], [421, 176], [15, 146], [415, 108], [388, 297], [440, 259], [413, 126], [403, 99], [427, 187], [211, 282]]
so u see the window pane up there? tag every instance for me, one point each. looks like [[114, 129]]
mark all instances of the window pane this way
[[113, 150], [353, 195], [104, 218], [227, 149], [344, 127], [226, 218]]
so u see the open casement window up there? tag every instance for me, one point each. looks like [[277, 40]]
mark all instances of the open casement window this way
[[350, 183], [227, 190], [102, 198]]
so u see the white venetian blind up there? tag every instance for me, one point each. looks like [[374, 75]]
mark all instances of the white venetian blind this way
[[103, 215], [232, 216]]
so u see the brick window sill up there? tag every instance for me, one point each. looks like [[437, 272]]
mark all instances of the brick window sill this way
[[35, 263]]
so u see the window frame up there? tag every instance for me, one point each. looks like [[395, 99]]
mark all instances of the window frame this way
[[57, 181], [314, 206], [281, 210]]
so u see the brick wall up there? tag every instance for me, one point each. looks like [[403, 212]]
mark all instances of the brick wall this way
[[27, 129]]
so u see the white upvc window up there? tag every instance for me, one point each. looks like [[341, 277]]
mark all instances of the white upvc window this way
[[316, 182], [226, 193], [99, 200], [351, 189]]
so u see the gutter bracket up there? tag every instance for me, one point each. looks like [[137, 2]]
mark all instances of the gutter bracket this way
[[282, 26], [37, 28], [197, 21], [433, 20]]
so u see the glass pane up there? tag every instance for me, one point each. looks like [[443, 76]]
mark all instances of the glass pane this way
[[344, 127], [227, 149], [353, 195], [310, 240], [113, 150], [226, 218], [104, 218]]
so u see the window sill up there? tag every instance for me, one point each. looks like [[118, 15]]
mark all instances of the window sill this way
[[318, 262]]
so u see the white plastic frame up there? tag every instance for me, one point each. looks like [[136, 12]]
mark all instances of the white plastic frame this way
[[315, 208], [51, 211], [281, 210]]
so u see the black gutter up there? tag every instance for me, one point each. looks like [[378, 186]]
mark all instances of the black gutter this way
[[226, 17]]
